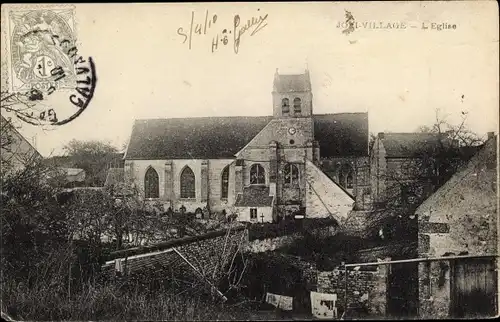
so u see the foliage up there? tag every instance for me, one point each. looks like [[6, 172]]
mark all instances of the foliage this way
[[95, 157], [33, 226]]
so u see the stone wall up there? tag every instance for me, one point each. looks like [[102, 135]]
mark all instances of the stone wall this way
[[459, 219], [270, 244], [208, 179], [361, 167], [366, 287]]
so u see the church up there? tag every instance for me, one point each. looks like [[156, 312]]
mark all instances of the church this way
[[260, 169]]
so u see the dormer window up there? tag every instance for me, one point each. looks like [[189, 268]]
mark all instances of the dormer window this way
[[285, 106], [297, 108]]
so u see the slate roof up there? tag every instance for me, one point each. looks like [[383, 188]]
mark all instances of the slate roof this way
[[114, 176], [404, 145], [344, 134], [192, 138], [254, 196], [341, 134], [292, 83]]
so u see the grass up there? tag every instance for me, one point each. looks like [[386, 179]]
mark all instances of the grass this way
[[108, 302]]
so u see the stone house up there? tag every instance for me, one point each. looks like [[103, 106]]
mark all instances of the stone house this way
[[299, 161], [16, 151], [461, 218], [406, 168]]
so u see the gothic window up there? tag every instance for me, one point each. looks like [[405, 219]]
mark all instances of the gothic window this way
[[151, 184], [187, 183], [225, 183], [291, 174], [297, 105], [257, 174], [346, 177], [349, 183], [285, 106]]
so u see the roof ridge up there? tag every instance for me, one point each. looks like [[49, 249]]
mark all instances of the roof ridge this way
[[237, 116], [340, 113], [201, 117]]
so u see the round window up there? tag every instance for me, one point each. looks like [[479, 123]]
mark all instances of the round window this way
[[292, 141]]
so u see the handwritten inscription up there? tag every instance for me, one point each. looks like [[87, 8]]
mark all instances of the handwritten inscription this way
[[239, 28], [255, 24], [197, 28]]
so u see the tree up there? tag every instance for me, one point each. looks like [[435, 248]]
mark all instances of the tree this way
[[428, 165], [34, 227], [94, 157]]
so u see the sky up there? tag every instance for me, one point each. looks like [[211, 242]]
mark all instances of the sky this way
[[399, 76]]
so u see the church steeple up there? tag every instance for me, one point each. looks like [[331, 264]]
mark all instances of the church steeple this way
[[292, 95]]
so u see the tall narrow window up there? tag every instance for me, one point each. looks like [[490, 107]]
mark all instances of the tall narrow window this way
[[151, 184], [291, 174], [257, 174], [349, 179], [253, 213], [187, 183], [297, 108], [225, 183], [285, 106]]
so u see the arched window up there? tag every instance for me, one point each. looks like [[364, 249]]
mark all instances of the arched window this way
[[285, 106], [291, 174], [297, 108], [187, 183], [225, 183], [346, 177], [151, 184], [257, 174]]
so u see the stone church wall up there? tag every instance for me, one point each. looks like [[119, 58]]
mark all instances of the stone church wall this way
[[208, 180]]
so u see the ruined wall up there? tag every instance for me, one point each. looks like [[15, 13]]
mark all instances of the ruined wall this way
[[366, 287]]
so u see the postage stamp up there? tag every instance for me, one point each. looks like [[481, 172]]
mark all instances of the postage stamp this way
[[34, 53], [46, 74]]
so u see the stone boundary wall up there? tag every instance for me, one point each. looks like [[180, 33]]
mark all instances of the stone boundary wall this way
[[366, 288]]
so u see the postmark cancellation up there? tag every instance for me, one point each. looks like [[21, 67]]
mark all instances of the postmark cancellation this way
[[43, 61]]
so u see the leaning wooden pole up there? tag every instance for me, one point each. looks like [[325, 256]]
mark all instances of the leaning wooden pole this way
[[199, 273], [345, 294]]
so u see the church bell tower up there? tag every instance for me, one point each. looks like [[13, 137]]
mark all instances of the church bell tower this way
[[292, 95]]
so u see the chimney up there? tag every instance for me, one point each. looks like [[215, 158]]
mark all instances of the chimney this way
[[381, 135], [491, 135]]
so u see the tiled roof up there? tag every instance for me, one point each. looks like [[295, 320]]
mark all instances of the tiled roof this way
[[292, 83], [344, 134], [254, 196]]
